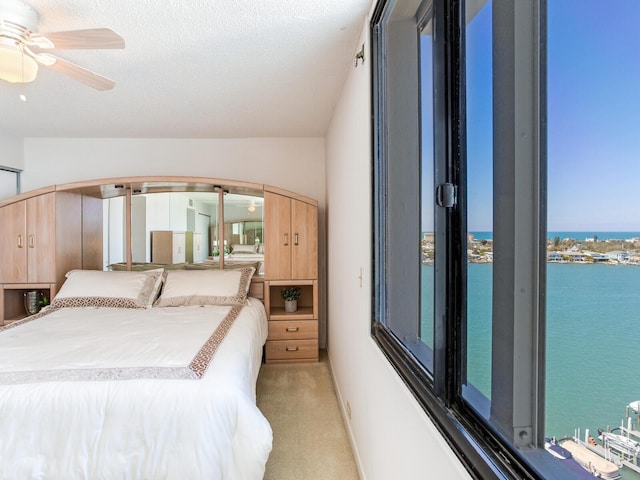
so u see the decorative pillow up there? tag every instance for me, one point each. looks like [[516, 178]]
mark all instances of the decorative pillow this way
[[202, 266], [205, 287], [231, 265], [237, 248], [135, 266], [95, 288]]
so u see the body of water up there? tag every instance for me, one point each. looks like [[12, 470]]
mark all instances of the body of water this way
[[575, 235], [593, 342]]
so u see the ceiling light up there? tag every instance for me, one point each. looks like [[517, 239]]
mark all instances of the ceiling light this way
[[251, 208], [15, 66]]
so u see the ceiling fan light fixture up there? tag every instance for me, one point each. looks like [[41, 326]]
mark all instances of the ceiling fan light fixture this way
[[15, 65]]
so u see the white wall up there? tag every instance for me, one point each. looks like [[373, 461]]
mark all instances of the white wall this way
[[392, 436], [296, 164]]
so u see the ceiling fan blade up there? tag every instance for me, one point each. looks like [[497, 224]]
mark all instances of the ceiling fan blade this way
[[94, 38], [74, 71]]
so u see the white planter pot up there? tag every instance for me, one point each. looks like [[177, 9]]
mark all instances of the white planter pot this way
[[290, 306]]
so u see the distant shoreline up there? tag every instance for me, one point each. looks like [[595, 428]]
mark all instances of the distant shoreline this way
[[582, 248]]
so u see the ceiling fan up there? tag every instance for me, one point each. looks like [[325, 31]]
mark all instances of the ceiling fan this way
[[251, 206], [23, 48]]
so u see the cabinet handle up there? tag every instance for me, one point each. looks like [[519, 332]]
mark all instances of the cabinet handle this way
[[292, 329], [292, 349], [295, 239], [20, 245], [32, 241], [286, 239]]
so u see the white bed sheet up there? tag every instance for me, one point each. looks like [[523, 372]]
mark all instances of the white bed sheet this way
[[152, 427]]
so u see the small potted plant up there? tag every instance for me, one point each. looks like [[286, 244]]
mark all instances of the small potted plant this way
[[291, 296]]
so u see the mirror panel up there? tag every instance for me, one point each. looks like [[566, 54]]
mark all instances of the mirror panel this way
[[243, 230], [113, 245], [181, 229]]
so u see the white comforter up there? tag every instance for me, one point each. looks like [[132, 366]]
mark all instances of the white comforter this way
[[71, 408]]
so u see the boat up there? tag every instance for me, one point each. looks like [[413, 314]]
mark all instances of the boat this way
[[618, 448], [565, 456], [591, 460]]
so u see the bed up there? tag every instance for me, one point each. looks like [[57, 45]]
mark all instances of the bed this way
[[241, 255], [117, 380]]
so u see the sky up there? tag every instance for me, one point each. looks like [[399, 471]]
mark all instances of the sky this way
[[593, 93]]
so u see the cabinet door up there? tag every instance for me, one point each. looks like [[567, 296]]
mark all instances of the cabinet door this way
[[162, 246], [198, 253], [277, 236], [179, 247], [304, 248], [41, 235], [13, 243]]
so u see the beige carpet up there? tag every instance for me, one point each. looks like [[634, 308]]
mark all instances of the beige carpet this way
[[309, 439]]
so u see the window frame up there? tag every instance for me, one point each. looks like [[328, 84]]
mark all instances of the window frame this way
[[17, 172], [485, 451]]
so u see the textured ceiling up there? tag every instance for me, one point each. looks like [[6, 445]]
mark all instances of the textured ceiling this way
[[193, 69]]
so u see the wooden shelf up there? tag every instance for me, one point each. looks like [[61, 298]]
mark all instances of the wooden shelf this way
[[12, 299], [303, 313], [307, 303]]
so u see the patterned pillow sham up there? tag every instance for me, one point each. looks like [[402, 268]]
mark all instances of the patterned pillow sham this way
[[205, 287], [95, 288], [237, 248]]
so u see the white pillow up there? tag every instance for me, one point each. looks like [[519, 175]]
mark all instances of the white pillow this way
[[95, 288], [205, 287], [237, 248]]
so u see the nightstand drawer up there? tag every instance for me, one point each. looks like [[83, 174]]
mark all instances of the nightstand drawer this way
[[293, 329], [279, 351]]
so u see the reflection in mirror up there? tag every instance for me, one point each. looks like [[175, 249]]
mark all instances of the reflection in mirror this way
[[181, 230], [243, 230], [113, 217]]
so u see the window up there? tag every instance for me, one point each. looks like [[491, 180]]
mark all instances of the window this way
[[505, 211], [460, 148], [409, 255], [9, 181]]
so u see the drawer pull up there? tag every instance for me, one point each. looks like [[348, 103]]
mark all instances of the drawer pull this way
[[20, 245], [292, 349], [296, 239], [292, 329], [286, 239], [32, 241]]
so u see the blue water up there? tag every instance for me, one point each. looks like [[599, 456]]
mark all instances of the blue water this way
[[575, 235], [593, 342], [593, 345]]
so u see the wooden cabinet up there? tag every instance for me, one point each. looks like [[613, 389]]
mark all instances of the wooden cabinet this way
[[291, 260], [176, 247], [168, 247], [27, 240], [41, 239], [293, 337], [291, 238]]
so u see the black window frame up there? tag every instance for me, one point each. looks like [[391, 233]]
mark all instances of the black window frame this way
[[485, 451]]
